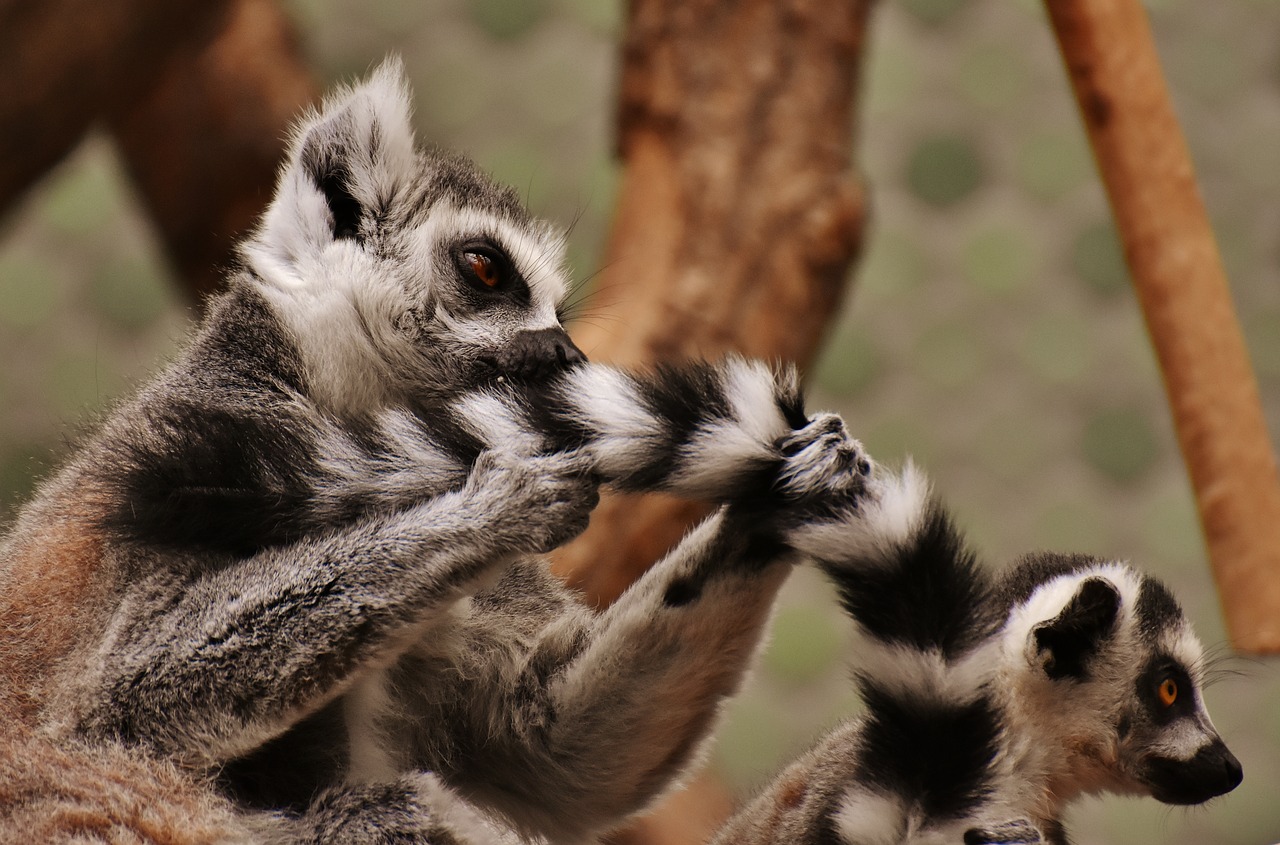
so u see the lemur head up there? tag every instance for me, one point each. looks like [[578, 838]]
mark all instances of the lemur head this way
[[404, 274], [1107, 667]]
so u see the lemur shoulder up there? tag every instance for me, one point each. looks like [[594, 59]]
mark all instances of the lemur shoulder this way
[[992, 700], [302, 561]]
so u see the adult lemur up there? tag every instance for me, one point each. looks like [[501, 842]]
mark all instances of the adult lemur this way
[[991, 703], [297, 560]]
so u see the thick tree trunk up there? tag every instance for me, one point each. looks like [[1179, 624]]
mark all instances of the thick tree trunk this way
[[1171, 252], [739, 214]]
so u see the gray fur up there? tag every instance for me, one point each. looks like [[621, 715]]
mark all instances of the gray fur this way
[[302, 562]]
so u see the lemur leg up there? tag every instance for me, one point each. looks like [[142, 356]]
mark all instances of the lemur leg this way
[[209, 668], [565, 721], [415, 809]]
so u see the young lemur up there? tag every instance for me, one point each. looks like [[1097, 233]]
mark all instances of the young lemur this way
[[991, 703], [299, 560]]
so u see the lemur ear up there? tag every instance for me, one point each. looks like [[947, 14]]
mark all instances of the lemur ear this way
[[1066, 643], [346, 164]]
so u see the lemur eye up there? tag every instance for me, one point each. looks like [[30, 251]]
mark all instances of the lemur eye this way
[[485, 268], [1168, 692]]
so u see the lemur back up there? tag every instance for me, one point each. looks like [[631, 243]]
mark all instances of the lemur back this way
[[992, 702], [303, 559]]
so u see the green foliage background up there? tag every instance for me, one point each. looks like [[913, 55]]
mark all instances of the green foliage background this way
[[991, 332]]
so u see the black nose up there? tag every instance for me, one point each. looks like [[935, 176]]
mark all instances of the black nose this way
[[1213, 771], [1233, 770], [568, 352], [539, 354]]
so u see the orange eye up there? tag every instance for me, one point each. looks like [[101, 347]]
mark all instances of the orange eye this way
[[484, 268], [1168, 692]]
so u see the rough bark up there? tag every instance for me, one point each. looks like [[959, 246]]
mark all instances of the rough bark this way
[[738, 218], [1178, 274]]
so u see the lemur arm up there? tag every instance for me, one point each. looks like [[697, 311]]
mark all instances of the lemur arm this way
[[296, 618], [236, 468], [566, 721], [209, 667]]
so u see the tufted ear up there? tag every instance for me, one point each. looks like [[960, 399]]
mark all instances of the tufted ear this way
[[1065, 643], [346, 164]]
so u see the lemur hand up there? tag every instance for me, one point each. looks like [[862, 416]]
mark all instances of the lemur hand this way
[[822, 473], [537, 502], [822, 465]]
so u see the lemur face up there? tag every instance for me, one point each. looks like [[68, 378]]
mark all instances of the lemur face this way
[[1169, 743], [485, 279], [405, 274], [1116, 670], [1171, 746]]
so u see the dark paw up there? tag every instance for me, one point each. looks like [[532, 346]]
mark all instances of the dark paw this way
[[1020, 832], [821, 460]]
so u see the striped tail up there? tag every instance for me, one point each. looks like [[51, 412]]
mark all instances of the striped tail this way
[[932, 733], [696, 429]]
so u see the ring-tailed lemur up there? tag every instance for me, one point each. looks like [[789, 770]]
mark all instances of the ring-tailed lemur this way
[[990, 703], [297, 559]]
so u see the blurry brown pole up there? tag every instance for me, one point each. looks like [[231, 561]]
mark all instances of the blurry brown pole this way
[[1174, 261], [738, 218]]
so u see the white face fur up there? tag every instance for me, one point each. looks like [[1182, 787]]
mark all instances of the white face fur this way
[[1109, 687], [401, 274]]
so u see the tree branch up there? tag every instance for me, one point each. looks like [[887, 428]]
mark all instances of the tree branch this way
[[200, 96], [1178, 274], [204, 143], [65, 63]]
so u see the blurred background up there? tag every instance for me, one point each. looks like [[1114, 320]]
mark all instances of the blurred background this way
[[989, 331]]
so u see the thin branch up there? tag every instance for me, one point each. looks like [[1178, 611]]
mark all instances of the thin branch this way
[[1178, 274]]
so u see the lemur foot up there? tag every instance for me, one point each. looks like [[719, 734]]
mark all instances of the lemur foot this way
[[821, 461], [416, 809]]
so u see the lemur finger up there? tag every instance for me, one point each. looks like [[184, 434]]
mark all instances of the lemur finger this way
[[819, 426], [533, 502]]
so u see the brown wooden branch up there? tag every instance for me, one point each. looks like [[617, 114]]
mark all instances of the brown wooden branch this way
[[1178, 274], [738, 218]]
